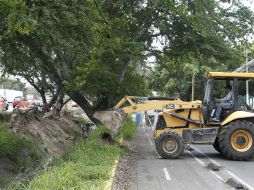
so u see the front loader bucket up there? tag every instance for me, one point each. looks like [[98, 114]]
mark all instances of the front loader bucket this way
[[113, 119]]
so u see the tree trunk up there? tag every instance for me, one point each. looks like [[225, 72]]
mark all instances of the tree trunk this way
[[43, 97], [80, 99], [54, 97], [123, 71]]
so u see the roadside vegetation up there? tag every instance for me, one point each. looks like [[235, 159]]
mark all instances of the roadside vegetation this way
[[13, 146], [87, 166], [128, 131], [21, 154]]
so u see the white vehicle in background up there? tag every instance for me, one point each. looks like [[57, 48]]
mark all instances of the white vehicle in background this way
[[9, 95], [30, 99], [38, 102]]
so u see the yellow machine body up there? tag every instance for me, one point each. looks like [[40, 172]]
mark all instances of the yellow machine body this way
[[237, 115], [176, 111], [182, 123]]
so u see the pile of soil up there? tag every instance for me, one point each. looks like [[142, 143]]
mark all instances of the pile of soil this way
[[54, 135]]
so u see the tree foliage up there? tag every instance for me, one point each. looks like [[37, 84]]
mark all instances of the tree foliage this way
[[203, 37], [14, 84], [96, 51]]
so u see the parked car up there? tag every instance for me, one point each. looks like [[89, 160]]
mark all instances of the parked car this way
[[5, 103], [16, 101], [38, 103]]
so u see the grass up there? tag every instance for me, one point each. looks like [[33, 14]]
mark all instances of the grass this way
[[128, 131], [87, 166], [12, 146], [3, 181]]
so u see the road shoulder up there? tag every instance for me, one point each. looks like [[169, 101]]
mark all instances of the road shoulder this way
[[123, 174]]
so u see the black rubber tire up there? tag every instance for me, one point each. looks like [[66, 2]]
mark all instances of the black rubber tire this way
[[225, 140], [160, 141], [216, 145]]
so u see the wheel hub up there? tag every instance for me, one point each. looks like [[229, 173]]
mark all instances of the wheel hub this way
[[241, 140], [170, 145]]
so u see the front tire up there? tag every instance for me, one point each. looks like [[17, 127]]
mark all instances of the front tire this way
[[169, 145], [216, 145], [236, 140]]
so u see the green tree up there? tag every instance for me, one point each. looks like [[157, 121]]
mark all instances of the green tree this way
[[78, 48], [96, 51], [13, 84], [200, 36]]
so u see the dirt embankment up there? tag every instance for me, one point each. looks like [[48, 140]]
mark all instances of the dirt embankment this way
[[54, 135], [51, 135]]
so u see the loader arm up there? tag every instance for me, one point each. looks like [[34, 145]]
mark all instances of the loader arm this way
[[113, 119], [152, 103]]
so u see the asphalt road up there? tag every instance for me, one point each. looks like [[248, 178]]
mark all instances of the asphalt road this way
[[190, 171]]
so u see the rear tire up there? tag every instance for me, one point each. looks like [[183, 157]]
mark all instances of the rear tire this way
[[169, 145], [236, 140]]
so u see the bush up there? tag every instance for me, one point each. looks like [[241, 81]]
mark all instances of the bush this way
[[128, 130]]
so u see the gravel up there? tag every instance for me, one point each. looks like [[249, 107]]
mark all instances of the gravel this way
[[125, 166]]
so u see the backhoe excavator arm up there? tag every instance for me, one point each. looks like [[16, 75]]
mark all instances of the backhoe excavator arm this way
[[113, 119], [152, 103]]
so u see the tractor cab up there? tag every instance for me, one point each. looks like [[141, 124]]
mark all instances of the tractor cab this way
[[217, 88]]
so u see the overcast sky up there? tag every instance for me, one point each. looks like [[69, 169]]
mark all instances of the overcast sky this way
[[249, 3]]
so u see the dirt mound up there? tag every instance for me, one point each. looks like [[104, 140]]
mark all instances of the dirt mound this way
[[54, 135]]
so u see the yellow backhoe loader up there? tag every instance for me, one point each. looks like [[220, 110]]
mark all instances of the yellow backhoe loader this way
[[183, 123]]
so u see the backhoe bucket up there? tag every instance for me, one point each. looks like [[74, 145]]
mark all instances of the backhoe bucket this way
[[113, 119]]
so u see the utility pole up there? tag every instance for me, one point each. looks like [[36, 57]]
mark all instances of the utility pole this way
[[247, 81]]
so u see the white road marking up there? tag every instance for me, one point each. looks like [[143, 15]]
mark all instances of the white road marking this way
[[239, 179], [151, 143], [157, 153], [213, 161], [218, 176], [168, 178], [203, 164], [196, 158], [229, 172]]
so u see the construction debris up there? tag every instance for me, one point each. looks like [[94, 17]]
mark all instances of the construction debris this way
[[235, 184], [213, 167]]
